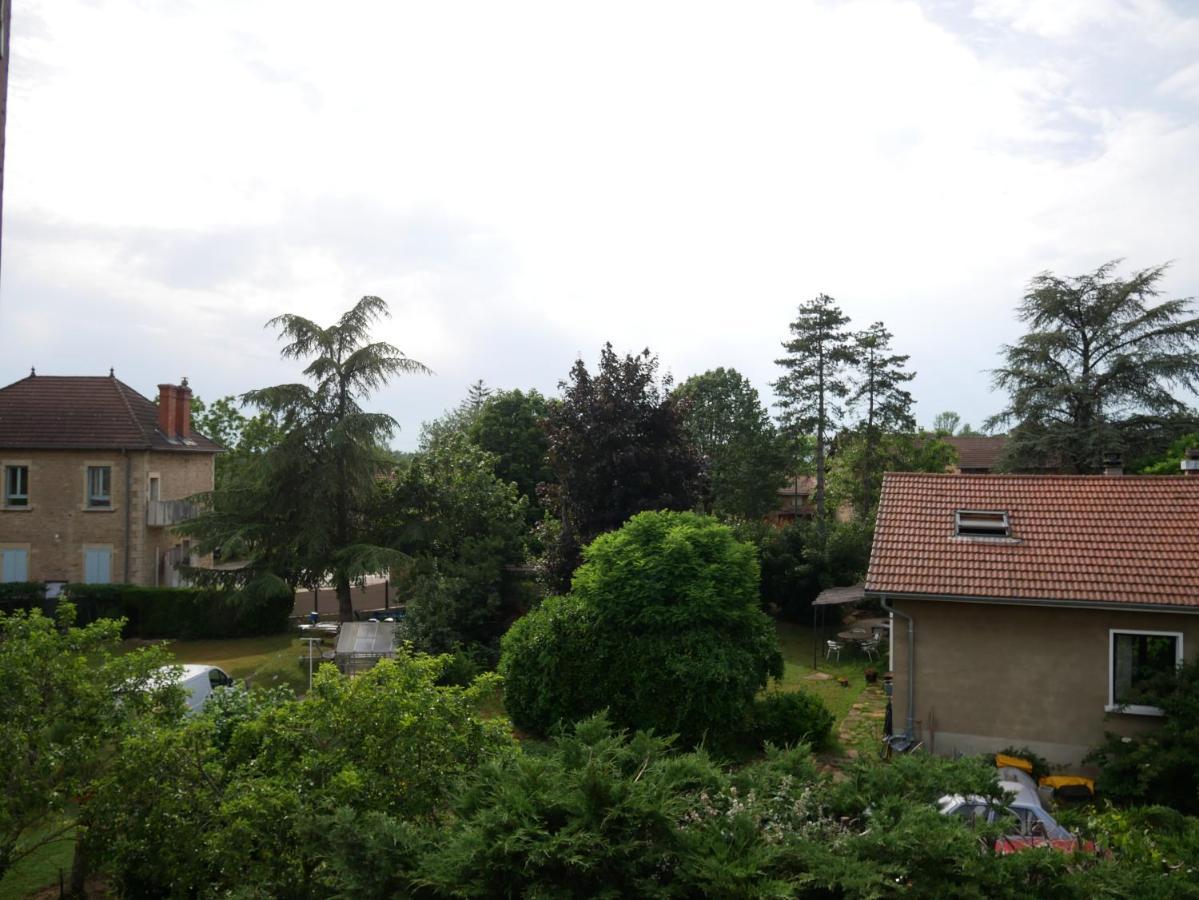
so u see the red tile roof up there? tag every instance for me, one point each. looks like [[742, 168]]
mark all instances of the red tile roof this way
[[977, 452], [84, 412], [1122, 539]]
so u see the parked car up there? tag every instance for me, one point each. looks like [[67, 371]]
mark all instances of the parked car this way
[[198, 682], [1025, 820]]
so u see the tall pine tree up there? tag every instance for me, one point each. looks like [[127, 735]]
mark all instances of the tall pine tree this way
[[815, 383], [882, 402]]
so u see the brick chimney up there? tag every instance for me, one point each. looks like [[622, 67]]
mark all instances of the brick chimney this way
[[168, 409], [1190, 461], [1113, 464], [183, 418]]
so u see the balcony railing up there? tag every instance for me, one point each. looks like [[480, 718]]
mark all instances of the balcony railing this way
[[161, 513]]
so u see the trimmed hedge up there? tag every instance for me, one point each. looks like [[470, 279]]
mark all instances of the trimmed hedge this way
[[23, 595], [160, 612]]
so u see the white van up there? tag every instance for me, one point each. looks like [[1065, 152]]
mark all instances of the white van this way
[[198, 682]]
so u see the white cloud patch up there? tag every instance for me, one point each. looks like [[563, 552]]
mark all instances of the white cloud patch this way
[[524, 181]]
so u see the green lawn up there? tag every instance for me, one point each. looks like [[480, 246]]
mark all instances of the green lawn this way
[[265, 661], [40, 869], [796, 643]]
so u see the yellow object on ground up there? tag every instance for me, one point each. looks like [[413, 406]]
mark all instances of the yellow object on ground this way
[[1060, 781], [1002, 760]]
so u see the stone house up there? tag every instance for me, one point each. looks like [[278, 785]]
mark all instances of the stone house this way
[[93, 477], [1027, 608]]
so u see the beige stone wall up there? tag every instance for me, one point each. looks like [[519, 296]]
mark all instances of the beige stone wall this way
[[180, 476], [57, 525], [992, 675]]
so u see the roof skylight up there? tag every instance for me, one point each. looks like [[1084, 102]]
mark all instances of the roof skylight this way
[[981, 523]]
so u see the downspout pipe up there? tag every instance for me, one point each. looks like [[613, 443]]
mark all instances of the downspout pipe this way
[[911, 673]]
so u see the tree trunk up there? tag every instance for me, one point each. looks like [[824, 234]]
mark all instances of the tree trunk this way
[[345, 600], [80, 865]]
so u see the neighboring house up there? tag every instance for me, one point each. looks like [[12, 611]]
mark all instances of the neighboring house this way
[[795, 500], [1033, 605], [977, 455], [93, 478]]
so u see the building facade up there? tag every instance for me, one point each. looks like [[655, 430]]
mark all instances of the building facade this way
[[1028, 610], [94, 476]]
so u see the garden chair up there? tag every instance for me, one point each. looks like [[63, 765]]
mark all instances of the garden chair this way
[[870, 648], [832, 647]]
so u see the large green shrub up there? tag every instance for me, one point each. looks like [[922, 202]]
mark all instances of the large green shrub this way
[[662, 628], [241, 799], [160, 612], [786, 719]]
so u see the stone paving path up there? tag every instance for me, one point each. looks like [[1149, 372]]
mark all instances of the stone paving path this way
[[862, 729]]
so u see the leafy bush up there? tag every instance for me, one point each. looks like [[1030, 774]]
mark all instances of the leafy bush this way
[[241, 798], [793, 717], [161, 612], [1160, 766], [663, 629]]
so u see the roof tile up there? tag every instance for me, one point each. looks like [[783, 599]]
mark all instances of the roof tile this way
[[1132, 539]]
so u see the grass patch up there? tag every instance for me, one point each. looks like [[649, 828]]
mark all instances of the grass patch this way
[[39, 869], [796, 642], [265, 661]]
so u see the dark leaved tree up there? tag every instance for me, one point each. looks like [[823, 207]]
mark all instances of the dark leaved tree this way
[[617, 446]]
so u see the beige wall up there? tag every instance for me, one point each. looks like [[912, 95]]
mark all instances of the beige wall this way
[[991, 675], [57, 525]]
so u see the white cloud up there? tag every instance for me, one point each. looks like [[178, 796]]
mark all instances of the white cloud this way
[[523, 181]]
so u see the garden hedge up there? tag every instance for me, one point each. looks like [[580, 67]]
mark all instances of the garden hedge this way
[[187, 612]]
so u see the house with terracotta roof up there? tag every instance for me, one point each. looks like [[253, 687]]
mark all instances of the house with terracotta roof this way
[[94, 476], [977, 454], [1027, 609]]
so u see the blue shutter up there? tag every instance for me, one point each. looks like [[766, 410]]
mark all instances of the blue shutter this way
[[14, 566], [97, 567]]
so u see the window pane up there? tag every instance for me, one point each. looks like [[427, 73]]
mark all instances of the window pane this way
[[1139, 659], [16, 485], [99, 485]]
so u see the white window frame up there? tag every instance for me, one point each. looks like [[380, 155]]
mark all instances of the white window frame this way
[[1134, 709], [154, 480], [87, 487], [8, 498]]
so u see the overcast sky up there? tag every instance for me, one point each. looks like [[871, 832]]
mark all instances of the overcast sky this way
[[522, 182]]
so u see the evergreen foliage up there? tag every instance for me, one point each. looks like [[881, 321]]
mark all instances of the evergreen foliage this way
[[1160, 766], [298, 509], [1097, 370], [883, 404], [815, 380], [662, 628]]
